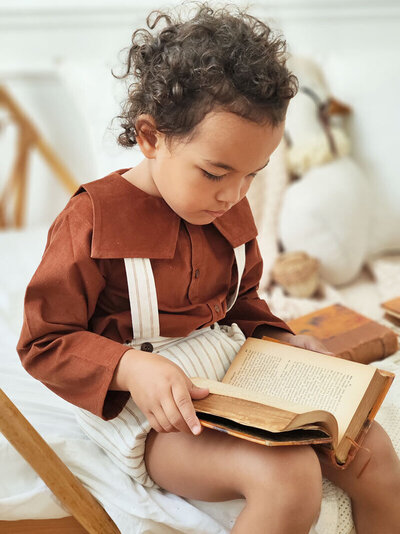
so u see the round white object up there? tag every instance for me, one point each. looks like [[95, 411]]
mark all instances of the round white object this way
[[327, 214]]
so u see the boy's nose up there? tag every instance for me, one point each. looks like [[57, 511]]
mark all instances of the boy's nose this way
[[230, 194]]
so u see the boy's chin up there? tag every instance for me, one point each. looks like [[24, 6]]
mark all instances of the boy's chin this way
[[199, 218]]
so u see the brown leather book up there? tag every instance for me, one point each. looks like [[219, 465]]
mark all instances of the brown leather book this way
[[348, 334], [392, 307], [275, 394]]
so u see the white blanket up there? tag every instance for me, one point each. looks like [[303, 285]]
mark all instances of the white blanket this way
[[133, 508]]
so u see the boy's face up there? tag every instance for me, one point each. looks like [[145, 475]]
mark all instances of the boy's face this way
[[203, 178]]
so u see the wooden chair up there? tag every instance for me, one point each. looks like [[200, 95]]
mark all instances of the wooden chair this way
[[87, 514], [15, 188]]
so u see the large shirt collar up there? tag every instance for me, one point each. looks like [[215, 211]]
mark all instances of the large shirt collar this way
[[129, 223]]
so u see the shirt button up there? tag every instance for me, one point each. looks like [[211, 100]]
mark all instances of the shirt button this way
[[146, 347], [216, 308], [212, 326], [197, 273]]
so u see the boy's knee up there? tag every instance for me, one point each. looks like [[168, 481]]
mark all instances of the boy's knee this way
[[292, 475], [378, 462], [379, 443], [289, 480]]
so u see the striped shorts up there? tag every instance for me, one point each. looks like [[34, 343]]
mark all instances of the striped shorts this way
[[206, 353]]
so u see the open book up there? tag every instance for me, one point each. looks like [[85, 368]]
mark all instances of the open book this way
[[277, 394]]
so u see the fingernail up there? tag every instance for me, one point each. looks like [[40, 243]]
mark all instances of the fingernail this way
[[196, 429]]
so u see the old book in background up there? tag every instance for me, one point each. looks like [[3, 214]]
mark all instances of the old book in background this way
[[277, 394], [392, 308], [348, 334]]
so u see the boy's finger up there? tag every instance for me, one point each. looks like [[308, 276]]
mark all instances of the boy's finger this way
[[174, 415], [154, 423], [186, 408], [197, 392], [162, 419]]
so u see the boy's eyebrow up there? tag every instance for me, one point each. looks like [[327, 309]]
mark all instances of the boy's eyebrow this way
[[228, 167]]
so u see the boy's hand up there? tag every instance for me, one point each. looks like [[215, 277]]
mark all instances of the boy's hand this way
[[310, 343], [301, 340], [161, 390]]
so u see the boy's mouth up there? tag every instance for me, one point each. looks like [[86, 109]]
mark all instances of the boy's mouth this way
[[216, 213]]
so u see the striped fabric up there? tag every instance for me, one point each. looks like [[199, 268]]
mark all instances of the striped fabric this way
[[142, 291], [206, 353]]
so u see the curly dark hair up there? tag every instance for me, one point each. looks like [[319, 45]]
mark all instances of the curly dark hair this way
[[216, 59]]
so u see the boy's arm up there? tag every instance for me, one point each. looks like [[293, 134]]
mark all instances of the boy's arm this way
[[275, 333], [252, 313], [302, 341], [56, 345]]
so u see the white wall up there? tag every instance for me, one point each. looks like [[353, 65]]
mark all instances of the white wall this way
[[56, 58]]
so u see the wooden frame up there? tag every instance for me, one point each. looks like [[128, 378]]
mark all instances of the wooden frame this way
[[66, 525], [88, 514], [14, 192]]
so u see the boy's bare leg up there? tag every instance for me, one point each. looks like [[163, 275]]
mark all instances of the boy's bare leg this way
[[372, 482], [282, 485]]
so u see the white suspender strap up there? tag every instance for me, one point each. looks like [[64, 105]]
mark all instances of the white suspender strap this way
[[143, 298], [240, 255]]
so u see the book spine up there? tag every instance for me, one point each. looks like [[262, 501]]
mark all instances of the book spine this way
[[374, 349], [381, 398], [391, 342]]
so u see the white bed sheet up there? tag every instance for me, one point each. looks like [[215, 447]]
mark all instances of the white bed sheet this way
[[133, 508]]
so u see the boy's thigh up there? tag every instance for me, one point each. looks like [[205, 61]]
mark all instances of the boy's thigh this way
[[194, 467], [215, 466]]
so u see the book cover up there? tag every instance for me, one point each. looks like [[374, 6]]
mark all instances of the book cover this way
[[348, 334]]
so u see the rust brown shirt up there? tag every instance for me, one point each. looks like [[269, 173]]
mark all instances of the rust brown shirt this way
[[77, 314]]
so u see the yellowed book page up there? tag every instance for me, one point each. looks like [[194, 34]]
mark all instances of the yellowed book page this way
[[302, 377]]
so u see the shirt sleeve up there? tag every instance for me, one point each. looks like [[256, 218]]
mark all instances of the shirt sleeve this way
[[56, 345], [249, 310]]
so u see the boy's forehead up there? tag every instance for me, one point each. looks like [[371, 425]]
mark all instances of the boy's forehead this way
[[228, 122], [223, 135]]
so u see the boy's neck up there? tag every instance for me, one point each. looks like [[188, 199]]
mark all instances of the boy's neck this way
[[140, 177]]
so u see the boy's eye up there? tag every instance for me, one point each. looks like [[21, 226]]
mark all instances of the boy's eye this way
[[212, 176], [217, 178]]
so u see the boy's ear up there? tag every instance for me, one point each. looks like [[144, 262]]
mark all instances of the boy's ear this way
[[147, 135]]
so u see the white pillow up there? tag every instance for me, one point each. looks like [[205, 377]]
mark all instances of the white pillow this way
[[326, 214]]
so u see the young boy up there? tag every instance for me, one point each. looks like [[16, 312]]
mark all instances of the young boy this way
[[150, 276]]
